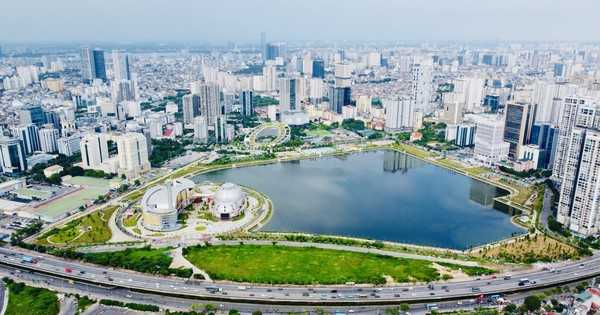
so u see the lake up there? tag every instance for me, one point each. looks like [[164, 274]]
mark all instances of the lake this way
[[381, 195]]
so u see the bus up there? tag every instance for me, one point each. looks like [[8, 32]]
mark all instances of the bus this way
[[432, 306], [495, 296], [211, 288]]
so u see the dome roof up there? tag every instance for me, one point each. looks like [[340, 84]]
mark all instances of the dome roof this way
[[229, 193]]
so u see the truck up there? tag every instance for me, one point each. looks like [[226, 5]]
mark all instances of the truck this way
[[68, 270], [27, 259], [242, 288]]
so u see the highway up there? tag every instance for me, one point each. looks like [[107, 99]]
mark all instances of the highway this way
[[297, 295]]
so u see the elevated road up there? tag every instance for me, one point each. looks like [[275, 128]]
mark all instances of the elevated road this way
[[299, 295]]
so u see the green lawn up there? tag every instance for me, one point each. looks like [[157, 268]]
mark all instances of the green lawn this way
[[304, 265], [23, 299], [72, 202], [131, 221], [98, 232], [317, 133]]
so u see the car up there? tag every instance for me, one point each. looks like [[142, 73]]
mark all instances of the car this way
[[128, 295], [333, 291], [532, 282], [224, 293], [431, 293], [397, 295], [269, 290], [104, 272], [488, 282], [521, 284], [305, 294], [287, 294], [251, 294]]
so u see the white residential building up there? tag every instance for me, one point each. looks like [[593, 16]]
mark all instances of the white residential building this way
[[133, 155]]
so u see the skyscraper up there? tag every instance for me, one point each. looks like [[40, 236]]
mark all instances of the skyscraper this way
[[318, 69], [31, 115], [247, 102], [210, 98], [88, 67], [545, 136], [576, 110], [133, 154], [12, 155], [263, 45], [191, 108], [578, 206], [518, 120], [92, 64], [121, 65], [338, 97], [275, 50], [289, 94], [99, 64], [343, 74], [220, 129]]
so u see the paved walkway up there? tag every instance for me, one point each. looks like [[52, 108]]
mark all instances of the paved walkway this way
[[117, 234], [180, 261]]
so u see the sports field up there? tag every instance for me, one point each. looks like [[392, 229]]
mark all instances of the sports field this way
[[91, 182]]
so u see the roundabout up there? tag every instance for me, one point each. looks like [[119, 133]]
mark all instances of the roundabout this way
[[268, 134]]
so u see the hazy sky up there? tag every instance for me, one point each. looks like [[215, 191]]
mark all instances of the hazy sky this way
[[287, 20]]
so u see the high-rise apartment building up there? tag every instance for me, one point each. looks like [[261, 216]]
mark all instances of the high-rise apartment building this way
[[191, 108], [12, 156], [577, 165], [133, 154], [275, 50], [518, 120], [576, 111], [247, 102], [398, 114], [210, 100], [422, 86], [200, 129]]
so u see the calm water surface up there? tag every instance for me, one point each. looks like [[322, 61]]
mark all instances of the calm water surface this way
[[383, 195]]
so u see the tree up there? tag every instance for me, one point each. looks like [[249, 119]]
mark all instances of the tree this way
[[257, 312], [510, 308], [55, 179], [405, 307], [136, 182], [532, 303]]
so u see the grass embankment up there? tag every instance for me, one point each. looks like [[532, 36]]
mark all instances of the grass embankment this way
[[24, 299], [131, 221], [308, 265], [92, 228], [143, 259], [528, 249]]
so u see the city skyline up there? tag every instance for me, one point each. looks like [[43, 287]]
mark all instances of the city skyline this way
[[154, 21]]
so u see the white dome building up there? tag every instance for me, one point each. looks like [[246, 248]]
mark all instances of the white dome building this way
[[229, 202], [162, 204]]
